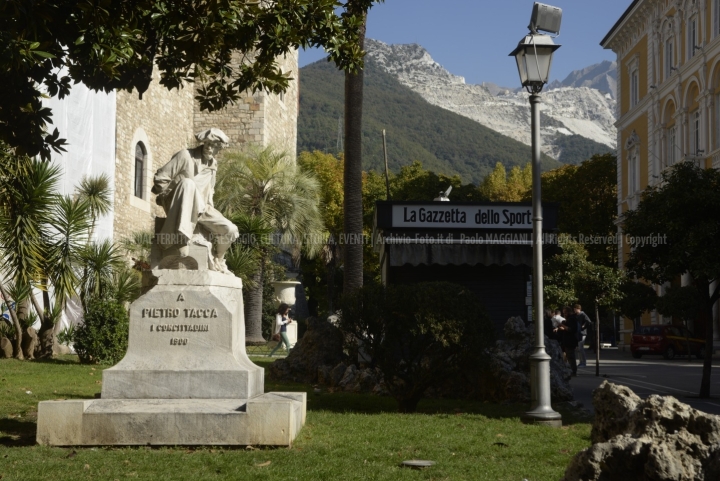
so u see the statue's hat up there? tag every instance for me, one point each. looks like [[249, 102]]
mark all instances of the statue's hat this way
[[212, 135]]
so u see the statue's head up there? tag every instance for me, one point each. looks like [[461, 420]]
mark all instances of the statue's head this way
[[213, 141]]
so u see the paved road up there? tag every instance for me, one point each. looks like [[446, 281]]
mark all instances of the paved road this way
[[649, 375]]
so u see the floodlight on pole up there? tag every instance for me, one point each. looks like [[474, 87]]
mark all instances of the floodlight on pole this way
[[534, 58]]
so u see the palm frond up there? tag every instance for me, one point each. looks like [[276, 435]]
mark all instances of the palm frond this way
[[96, 191], [70, 222], [99, 262], [125, 285]]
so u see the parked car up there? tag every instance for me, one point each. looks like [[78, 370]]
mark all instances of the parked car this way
[[667, 340]]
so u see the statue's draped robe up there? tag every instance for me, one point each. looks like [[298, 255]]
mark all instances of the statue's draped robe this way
[[185, 188]]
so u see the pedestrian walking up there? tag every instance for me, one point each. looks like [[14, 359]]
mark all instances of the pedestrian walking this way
[[585, 324], [569, 332], [282, 319]]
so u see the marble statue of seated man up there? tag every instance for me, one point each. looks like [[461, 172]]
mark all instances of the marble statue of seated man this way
[[184, 188]]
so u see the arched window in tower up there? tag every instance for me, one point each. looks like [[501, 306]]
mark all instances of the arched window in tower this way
[[140, 160]]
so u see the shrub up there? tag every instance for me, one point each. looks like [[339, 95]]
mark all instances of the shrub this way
[[417, 335], [103, 337], [67, 335]]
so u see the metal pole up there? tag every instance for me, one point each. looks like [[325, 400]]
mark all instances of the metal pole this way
[[387, 173], [541, 412]]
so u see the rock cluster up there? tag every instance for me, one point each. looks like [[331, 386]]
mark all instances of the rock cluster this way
[[351, 378], [318, 358], [658, 438], [320, 347], [509, 371]]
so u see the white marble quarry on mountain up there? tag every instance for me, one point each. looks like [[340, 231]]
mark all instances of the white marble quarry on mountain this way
[[566, 111]]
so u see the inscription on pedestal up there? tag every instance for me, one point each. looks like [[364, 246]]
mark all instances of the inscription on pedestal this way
[[169, 312]]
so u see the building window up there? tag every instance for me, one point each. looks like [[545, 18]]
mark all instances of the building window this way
[[716, 137], [669, 58], [671, 146], [634, 88], [140, 160], [692, 37], [633, 177], [695, 132]]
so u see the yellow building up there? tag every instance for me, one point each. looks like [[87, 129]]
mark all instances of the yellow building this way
[[668, 61]]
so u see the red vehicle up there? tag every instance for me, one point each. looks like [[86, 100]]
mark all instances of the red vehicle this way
[[667, 340]]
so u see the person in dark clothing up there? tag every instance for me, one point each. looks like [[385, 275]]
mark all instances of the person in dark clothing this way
[[568, 332], [547, 324], [585, 326]]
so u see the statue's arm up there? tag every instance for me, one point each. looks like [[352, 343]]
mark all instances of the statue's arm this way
[[170, 174]]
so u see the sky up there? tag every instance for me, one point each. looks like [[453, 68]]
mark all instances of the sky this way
[[473, 38]]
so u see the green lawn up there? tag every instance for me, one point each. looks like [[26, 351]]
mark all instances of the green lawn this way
[[346, 437]]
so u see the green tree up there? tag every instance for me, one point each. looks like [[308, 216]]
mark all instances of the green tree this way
[[328, 170], [28, 192], [268, 185], [413, 182], [603, 286], [679, 221], [115, 45], [498, 186], [587, 198]]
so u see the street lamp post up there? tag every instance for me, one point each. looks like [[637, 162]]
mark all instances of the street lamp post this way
[[534, 56]]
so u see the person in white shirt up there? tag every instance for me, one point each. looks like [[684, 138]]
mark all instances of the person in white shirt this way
[[282, 319]]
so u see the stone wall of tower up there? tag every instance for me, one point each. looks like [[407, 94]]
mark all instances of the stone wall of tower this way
[[281, 111], [163, 122], [259, 119]]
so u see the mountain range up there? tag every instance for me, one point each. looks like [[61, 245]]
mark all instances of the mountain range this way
[[572, 108], [452, 127]]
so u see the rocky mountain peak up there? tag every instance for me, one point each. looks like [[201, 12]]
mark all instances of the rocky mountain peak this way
[[574, 110]]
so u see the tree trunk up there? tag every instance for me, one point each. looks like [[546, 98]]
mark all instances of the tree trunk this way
[[703, 286], [330, 268], [46, 335], [597, 340], [253, 307], [353, 208], [16, 323], [27, 343]]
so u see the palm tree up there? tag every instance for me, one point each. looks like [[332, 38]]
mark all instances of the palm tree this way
[[101, 261], [68, 224], [96, 191], [27, 189], [267, 185], [353, 209]]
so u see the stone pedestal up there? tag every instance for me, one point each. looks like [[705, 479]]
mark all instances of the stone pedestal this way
[[186, 378]]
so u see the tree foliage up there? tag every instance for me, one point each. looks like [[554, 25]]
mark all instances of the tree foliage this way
[[571, 277], [498, 186], [267, 185], [587, 198], [48, 45]]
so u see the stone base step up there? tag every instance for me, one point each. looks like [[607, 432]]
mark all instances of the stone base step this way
[[273, 419]]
